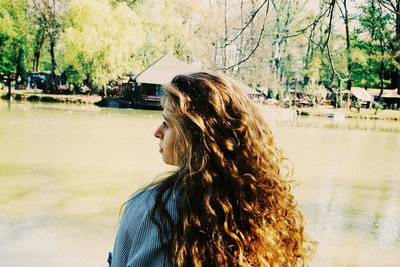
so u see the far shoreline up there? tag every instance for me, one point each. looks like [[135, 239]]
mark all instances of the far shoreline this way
[[364, 114], [35, 95], [317, 111]]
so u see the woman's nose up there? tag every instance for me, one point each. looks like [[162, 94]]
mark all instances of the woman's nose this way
[[158, 133]]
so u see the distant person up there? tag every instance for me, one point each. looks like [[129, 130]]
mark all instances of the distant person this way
[[33, 83], [229, 202], [71, 88], [18, 83], [84, 89], [28, 82]]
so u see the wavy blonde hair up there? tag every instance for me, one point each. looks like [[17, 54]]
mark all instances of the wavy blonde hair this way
[[234, 200]]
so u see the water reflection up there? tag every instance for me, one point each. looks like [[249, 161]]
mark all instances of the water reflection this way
[[349, 187], [361, 219], [65, 170], [348, 124]]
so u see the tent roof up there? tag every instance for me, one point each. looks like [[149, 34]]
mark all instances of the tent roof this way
[[164, 69], [361, 94]]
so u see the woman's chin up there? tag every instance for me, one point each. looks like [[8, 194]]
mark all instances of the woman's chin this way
[[170, 162]]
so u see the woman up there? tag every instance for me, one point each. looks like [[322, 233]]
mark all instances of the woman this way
[[228, 203]]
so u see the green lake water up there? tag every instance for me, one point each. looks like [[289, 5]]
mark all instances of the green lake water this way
[[65, 170]]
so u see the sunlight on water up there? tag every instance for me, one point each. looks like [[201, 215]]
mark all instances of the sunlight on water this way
[[65, 171], [349, 184]]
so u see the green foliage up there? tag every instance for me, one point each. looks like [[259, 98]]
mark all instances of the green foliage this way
[[378, 106], [14, 29], [373, 60], [100, 41]]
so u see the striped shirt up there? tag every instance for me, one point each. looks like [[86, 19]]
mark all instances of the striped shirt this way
[[137, 242]]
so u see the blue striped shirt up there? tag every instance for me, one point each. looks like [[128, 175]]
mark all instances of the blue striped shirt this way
[[137, 242]]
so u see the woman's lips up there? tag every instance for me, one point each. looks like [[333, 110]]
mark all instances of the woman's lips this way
[[161, 150]]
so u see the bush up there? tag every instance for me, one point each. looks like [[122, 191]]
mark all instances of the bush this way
[[377, 106]]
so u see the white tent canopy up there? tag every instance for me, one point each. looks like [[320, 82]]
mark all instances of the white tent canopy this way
[[361, 94], [164, 69]]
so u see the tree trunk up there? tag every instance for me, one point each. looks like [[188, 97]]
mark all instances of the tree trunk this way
[[348, 44], [53, 64], [240, 47], [338, 103], [40, 37], [9, 85], [36, 59], [381, 69], [295, 94], [310, 49], [20, 67], [397, 43], [226, 34]]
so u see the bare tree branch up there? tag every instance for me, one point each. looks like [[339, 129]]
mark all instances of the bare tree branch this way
[[315, 22], [256, 46], [392, 7], [312, 41], [326, 44], [340, 9], [389, 2], [225, 31], [332, 7], [254, 14], [333, 66]]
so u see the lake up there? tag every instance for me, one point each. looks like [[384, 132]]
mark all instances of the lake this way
[[65, 171]]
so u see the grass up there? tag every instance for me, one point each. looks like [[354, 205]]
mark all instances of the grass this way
[[365, 113]]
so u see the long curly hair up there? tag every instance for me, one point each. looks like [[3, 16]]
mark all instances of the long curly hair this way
[[234, 202]]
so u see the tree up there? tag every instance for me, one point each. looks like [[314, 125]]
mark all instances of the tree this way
[[393, 6], [48, 15], [284, 14], [100, 41], [14, 37], [376, 24], [39, 39]]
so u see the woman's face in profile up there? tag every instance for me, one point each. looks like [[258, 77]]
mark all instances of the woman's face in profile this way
[[166, 132]]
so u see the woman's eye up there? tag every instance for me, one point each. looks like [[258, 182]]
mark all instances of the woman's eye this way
[[164, 124]]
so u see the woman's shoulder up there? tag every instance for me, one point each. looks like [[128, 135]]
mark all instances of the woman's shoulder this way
[[137, 212], [145, 199], [142, 200], [137, 242]]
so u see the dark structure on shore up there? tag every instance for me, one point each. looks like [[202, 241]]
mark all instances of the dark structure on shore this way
[[390, 97], [145, 90]]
